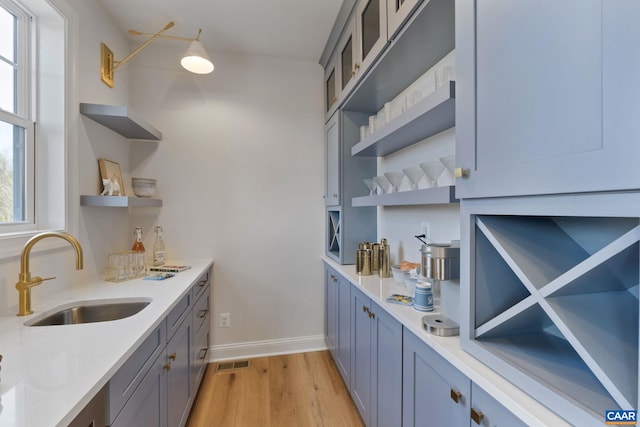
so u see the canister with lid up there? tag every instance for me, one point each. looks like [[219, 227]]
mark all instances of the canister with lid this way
[[440, 261]]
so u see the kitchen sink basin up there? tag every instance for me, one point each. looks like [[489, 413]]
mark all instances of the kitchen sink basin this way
[[89, 312]]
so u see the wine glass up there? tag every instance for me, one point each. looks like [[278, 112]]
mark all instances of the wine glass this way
[[370, 185], [395, 178], [383, 183], [433, 170], [414, 174]]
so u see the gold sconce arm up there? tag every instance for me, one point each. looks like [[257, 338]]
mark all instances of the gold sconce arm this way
[[108, 65]]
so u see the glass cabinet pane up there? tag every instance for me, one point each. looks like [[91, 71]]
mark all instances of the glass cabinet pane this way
[[331, 89], [347, 61], [370, 22]]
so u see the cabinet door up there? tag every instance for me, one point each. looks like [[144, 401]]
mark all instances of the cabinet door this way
[[332, 172], [547, 96], [386, 352], [487, 412], [397, 13], [371, 25], [331, 310], [433, 391], [347, 62], [148, 405], [179, 392], [361, 354], [344, 330], [331, 85]]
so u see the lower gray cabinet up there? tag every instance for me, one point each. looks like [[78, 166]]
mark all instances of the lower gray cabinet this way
[[338, 321], [435, 393], [156, 386], [376, 362]]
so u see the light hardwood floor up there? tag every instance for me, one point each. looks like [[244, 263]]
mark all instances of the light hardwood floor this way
[[292, 390]]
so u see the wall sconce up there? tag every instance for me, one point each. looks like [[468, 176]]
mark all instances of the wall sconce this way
[[195, 58]]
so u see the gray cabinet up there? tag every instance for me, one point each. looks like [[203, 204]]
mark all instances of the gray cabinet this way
[[552, 301], [338, 321], [547, 96], [376, 362], [435, 393], [156, 386], [346, 227]]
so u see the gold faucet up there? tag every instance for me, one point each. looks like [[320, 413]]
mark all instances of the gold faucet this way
[[25, 282]]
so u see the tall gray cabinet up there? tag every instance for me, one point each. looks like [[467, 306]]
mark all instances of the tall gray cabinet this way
[[547, 100]]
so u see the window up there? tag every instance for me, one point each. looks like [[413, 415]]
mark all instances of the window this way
[[16, 126], [38, 99]]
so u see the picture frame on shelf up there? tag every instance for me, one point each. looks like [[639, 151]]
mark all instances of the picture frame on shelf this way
[[111, 171]]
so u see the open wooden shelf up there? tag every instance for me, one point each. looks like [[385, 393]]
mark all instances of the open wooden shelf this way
[[120, 119], [119, 201]]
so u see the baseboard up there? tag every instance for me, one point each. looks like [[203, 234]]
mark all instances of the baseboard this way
[[266, 348]]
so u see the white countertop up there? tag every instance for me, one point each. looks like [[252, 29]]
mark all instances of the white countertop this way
[[49, 373], [529, 410]]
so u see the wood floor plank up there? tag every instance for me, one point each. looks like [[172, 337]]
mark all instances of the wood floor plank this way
[[291, 390]]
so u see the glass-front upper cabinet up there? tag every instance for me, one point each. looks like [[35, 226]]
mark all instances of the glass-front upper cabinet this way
[[397, 13], [347, 58], [331, 85], [371, 25]]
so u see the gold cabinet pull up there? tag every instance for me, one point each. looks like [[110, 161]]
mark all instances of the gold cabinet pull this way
[[202, 283], [167, 367], [477, 416], [460, 172], [203, 353], [172, 357], [203, 314], [455, 395], [365, 309], [357, 66]]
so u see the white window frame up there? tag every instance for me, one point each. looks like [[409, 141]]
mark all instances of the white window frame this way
[[23, 116], [54, 97]]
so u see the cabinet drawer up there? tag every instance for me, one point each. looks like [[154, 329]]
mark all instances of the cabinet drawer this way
[[130, 375], [200, 355], [201, 311], [178, 313], [202, 284]]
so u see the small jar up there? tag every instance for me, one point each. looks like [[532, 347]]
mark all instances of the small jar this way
[[423, 298]]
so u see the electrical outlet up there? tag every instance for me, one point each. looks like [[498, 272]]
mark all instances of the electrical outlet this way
[[425, 228], [225, 320]]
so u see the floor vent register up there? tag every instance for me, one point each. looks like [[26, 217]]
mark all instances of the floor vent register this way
[[227, 366]]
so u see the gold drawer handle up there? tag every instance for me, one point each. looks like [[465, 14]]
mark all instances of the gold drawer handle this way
[[172, 357], [203, 353], [203, 314], [456, 395], [167, 367], [477, 416], [202, 283]]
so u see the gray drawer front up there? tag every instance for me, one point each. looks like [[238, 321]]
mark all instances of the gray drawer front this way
[[201, 312], [178, 313], [126, 380], [201, 285]]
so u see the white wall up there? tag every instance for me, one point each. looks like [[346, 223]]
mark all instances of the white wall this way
[[240, 172]]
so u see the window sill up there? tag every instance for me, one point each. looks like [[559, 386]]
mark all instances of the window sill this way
[[11, 245]]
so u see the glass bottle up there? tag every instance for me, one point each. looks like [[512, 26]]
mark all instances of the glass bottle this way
[[158, 248], [137, 245]]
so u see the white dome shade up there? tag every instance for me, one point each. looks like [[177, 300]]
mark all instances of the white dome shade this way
[[196, 59]]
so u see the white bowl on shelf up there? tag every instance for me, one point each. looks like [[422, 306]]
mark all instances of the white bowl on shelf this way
[[143, 187]]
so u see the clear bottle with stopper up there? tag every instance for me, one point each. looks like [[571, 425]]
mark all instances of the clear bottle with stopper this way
[[158, 248], [384, 262], [137, 244]]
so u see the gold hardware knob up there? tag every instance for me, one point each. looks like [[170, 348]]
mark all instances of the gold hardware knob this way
[[203, 314], [477, 416], [202, 283], [372, 315], [334, 99], [203, 353], [167, 367], [172, 357], [357, 66], [365, 309], [335, 196], [456, 395], [460, 172], [353, 72]]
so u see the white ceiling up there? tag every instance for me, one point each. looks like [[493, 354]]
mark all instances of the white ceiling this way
[[283, 28]]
